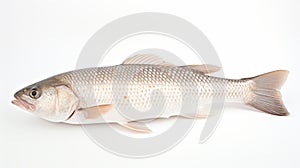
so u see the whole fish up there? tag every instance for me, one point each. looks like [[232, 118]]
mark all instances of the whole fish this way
[[145, 87]]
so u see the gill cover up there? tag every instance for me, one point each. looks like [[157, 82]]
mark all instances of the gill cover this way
[[66, 103], [56, 102]]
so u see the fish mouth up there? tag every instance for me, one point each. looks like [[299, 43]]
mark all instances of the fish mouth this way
[[23, 104]]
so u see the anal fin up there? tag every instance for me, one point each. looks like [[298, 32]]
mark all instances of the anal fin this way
[[136, 126], [195, 116]]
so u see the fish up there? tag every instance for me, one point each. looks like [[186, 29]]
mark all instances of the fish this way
[[146, 87]]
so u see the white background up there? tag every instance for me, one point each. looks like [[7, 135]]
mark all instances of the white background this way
[[42, 38]]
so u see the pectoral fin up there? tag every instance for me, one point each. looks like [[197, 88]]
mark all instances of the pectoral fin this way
[[136, 126], [96, 111]]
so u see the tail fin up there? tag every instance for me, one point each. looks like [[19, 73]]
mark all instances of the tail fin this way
[[266, 92]]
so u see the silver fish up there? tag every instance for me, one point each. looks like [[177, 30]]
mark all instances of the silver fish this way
[[145, 87]]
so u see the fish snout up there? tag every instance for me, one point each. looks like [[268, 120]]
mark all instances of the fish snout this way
[[19, 94], [22, 103]]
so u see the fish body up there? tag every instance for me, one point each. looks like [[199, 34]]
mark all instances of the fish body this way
[[142, 90]]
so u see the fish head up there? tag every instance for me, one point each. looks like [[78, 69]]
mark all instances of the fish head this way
[[50, 99]]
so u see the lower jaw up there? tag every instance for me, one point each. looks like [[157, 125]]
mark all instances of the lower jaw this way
[[23, 105]]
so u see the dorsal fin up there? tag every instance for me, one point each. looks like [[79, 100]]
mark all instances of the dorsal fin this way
[[146, 59], [157, 60], [204, 68]]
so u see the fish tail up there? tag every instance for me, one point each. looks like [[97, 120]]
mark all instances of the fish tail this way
[[265, 92]]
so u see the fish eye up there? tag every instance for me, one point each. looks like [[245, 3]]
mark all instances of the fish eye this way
[[34, 93]]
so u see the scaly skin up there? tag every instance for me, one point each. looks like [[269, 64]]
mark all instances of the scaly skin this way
[[130, 89]]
